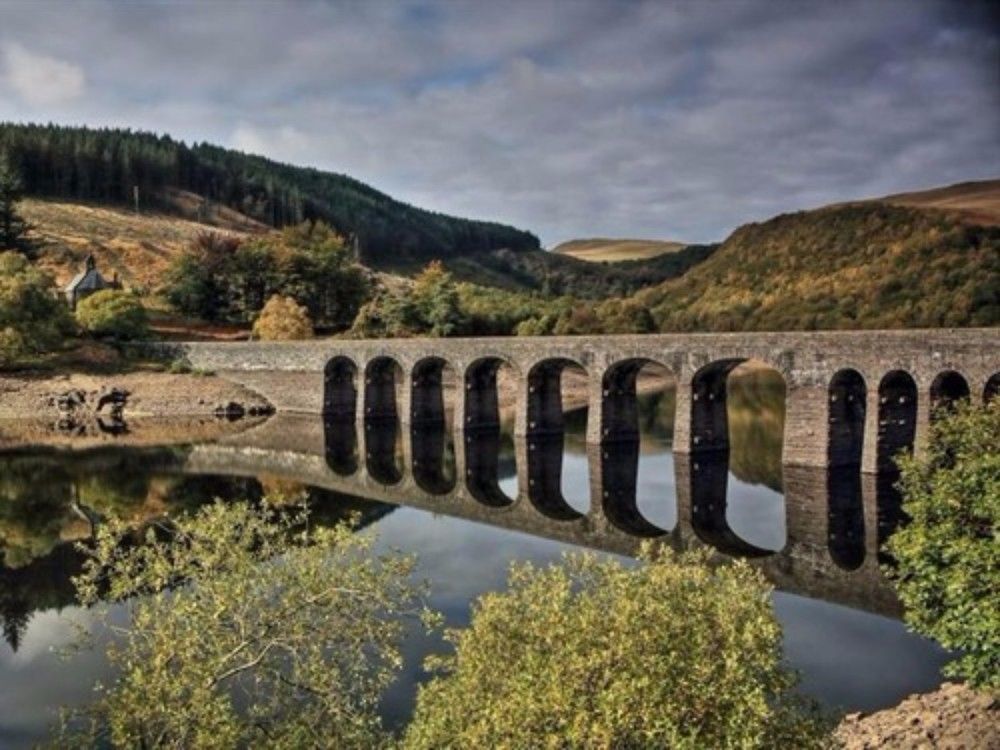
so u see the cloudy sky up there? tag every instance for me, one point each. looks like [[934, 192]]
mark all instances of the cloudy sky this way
[[571, 118]]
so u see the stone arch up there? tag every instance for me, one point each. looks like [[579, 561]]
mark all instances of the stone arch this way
[[845, 517], [992, 388], [427, 391], [619, 403], [340, 390], [382, 376], [482, 395], [948, 388], [897, 417], [847, 398], [545, 405]]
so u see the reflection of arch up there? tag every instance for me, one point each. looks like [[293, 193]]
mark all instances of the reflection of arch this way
[[432, 470], [340, 392], [380, 388], [340, 441], [992, 389], [545, 410], [482, 400], [948, 388], [619, 405], [427, 389], [382, 451], [619, 500], [709, 422], [897, 417], [709, 480], [483, 468], [889, 513], [845, 517], [847, 396], [545, 458]]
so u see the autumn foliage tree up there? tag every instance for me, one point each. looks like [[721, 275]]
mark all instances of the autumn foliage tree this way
[[283, 319]]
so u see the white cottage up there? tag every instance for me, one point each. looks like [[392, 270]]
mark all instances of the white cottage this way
[[88, 281]]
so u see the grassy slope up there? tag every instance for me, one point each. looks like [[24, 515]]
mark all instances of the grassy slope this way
[[139, 248], [864, 265], [972, 202], [609, 250]]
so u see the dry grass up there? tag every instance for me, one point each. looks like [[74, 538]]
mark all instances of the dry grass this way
[[138, 247], [598, 250], [974, 202]]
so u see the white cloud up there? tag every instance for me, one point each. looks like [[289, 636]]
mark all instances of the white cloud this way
[[41, 80]]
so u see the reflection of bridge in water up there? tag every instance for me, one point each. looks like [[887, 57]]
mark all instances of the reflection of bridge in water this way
[[829, 554]]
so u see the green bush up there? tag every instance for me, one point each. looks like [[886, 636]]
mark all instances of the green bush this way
[[948, 556], [113, 313], [591, 654], [33, 319]]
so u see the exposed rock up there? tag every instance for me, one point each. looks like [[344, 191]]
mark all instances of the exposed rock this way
[[954, 717]]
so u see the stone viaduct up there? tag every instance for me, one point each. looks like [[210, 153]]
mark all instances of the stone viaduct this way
[[853, 398]]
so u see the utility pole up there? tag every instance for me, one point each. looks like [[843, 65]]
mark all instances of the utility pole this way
[[135, 196]]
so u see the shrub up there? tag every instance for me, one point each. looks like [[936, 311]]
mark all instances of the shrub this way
[[591, 654], [283, 319], [284, 634], [113, 313], [32, 319], [948, 557]]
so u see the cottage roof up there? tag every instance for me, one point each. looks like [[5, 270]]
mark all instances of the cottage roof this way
[[88, 280]]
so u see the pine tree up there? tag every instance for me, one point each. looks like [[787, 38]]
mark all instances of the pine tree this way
[[13, 229]]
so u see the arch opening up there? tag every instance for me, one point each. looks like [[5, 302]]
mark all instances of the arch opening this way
[[431, 389], [433, 459], [340, 390], [545, 479], [384, 451], [737, 427], [548, 382], [637, 495], [847, 398], [845, 517], [432, 393], [383, 378], [897, 418], [340, 443], [947, 390], [709, 480], [490, 462], [992, 389]]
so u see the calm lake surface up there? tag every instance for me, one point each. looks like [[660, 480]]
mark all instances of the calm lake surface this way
[[841, 627]]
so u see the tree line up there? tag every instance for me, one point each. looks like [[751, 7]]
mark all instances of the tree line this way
[[106, 165]]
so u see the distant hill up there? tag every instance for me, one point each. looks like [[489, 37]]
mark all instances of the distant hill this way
[[974, 202], [610, 250], [103, 167], [870, 264]]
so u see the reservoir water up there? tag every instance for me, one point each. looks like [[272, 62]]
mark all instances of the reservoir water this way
[[812, 534]]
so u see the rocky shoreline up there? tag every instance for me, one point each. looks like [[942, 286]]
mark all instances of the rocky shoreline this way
[[953, 717]]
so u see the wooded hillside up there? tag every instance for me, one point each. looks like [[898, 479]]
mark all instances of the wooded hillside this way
[[867, 265], [103, 166]]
